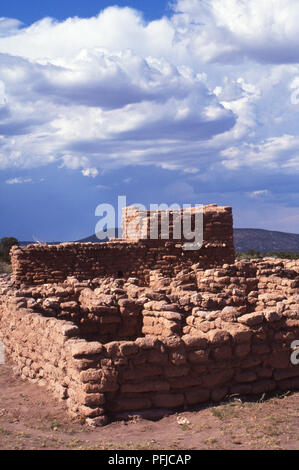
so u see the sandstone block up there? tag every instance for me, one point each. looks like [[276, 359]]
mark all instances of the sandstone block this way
[[84, 348], [251, 319], [167, 400], [197, 395]]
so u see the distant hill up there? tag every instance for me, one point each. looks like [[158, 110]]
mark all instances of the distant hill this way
[[25, 243], [94, 239], [244, 238], [252, 239], [91, 239], [265, 240]]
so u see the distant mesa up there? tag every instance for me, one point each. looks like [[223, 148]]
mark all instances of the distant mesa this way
[[111, 233], [265, 240]]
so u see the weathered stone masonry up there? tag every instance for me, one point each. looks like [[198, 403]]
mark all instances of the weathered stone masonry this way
[[177, 337], [39, 264]]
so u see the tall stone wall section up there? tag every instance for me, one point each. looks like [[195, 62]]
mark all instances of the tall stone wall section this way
[[217, 224], [39, 264]]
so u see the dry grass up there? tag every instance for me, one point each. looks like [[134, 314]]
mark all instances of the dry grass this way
[[30, 418]]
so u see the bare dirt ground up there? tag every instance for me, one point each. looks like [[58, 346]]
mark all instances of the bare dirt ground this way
[[31, 419]]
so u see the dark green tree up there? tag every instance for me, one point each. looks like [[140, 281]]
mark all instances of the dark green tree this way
[[5, 245]]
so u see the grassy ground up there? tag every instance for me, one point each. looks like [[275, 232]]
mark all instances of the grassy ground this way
[[31, 419]]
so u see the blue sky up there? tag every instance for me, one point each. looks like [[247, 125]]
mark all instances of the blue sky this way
[[197, 102], [29, 11]]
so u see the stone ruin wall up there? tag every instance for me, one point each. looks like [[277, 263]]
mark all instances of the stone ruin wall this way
[[38, 264], [112, 348], [116, 347], [217, 222]]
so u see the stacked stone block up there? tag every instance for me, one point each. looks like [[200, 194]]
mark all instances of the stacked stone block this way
[[143, 326], [184, 345], [41, 263]]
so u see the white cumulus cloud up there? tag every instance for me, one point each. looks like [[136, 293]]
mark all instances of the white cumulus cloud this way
[[209, 87], [18, 180], [90, 172]]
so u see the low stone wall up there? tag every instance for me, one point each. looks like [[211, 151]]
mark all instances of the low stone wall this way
[[179, 372], [102, 381], [115, 347], [36, 344], [41, 264]]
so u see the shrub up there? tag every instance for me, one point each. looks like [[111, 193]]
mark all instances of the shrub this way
[[5, 245], [250, 254]]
